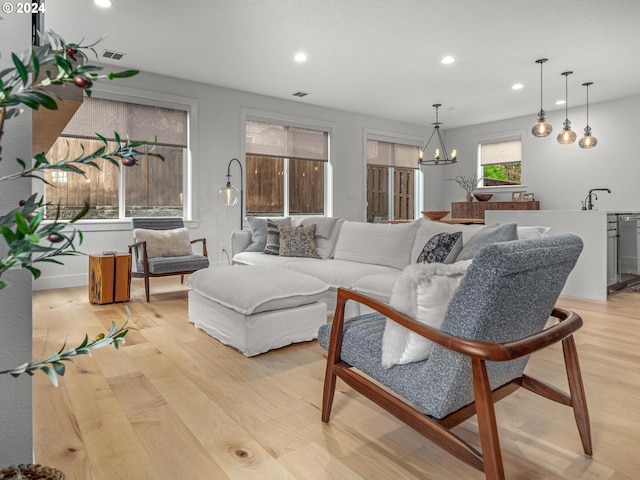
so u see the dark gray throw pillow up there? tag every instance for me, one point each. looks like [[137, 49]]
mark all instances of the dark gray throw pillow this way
[[272, 246], [490, 234], [441, 248]]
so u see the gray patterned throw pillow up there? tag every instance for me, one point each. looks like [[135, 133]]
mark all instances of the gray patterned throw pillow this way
[[298, 241]]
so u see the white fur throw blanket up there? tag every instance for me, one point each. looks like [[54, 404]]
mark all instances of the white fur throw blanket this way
[[423, 292]]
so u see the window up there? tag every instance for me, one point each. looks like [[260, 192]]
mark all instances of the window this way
[[286, 169], [152, 188], [392, 181], [501, 162]]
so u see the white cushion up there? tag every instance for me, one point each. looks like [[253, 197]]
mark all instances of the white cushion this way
[[429, 228], [165, 243], [337, 273], [423, 292], [378, 286], [376, 243], [526, 233], [253, 289]]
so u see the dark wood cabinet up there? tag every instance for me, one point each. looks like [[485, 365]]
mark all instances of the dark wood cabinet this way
[[475, 210]]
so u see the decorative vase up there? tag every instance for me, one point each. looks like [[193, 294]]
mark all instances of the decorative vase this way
[[469, 197]]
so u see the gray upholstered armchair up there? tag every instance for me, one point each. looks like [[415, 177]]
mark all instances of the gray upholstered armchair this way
[[496, 319], [162, 247]]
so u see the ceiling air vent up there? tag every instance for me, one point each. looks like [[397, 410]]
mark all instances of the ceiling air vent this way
[[300, 94], [112, 55]]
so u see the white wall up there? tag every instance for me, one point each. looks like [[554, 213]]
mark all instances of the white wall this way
[[560, 175], [16, 437], [219, 140]]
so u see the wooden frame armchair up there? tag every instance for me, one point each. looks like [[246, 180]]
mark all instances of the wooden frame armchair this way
[[148, 266], [488, 333]]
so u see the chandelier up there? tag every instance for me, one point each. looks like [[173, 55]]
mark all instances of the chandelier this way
[[440, 156]]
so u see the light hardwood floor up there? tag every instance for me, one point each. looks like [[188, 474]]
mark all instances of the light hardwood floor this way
[[174, 403]]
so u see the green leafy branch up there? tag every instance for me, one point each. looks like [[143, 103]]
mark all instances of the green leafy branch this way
[[54, 366], [22, 84]]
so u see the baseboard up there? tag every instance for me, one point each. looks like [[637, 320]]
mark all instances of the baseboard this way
[[60, 281]]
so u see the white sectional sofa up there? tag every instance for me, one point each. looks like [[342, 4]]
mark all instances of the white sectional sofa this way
[[366, 257]]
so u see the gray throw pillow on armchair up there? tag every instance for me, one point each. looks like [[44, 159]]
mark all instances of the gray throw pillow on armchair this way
[[490, 234]]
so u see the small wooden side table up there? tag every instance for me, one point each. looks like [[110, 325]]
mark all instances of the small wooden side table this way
[[109, 278]]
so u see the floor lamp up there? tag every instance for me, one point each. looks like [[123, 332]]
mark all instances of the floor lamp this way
[[229, 194]]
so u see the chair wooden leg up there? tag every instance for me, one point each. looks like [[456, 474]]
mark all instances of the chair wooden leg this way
[[333, 357], [146, 287], [181, 279], [487, 427], [576, 389]]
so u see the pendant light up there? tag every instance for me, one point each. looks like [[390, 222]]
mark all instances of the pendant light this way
[[440, 157], [542, 128], [588, 141], [566, 136]]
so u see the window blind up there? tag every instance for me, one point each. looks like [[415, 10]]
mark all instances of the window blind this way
[[387, 154], [282, 141], [496, 153], [138, 122]]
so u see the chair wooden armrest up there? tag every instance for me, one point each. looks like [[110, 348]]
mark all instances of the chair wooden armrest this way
[[204, 245], [568, 323]]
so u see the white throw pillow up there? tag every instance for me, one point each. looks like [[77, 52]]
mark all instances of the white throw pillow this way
[[423, 292], [165, 243], [526, 233]]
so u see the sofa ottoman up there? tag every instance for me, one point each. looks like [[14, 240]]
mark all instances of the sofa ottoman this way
[[255, 308]]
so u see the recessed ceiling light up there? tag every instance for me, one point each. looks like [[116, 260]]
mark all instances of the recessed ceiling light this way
[[300, 57], [561, 102], [447, 60], [517, 86], [103, 3]]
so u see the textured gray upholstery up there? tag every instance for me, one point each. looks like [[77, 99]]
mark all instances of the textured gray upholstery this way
[[508, 293], [176, 264]]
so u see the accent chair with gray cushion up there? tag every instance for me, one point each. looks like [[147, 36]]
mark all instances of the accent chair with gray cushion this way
[[162, 247], [497, 317]]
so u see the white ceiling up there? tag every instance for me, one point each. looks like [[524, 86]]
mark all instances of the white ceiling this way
[[378, 57]]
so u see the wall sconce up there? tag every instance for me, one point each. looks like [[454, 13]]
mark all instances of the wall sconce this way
[[229, 194]]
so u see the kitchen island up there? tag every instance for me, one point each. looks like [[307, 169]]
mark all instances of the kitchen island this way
[[589, 278]]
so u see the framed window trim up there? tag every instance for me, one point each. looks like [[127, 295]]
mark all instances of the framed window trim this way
[[400, 138], [502, 137], [190, 167], [292, 121]]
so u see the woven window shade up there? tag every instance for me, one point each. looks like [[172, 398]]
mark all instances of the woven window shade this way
[[138, 122], [389, 154], [497, 153], [282, 141]]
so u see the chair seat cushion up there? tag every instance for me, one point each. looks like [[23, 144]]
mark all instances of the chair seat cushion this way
[[183, 263], [253, 288]]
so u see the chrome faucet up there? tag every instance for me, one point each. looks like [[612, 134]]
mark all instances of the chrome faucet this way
[[588, 202]]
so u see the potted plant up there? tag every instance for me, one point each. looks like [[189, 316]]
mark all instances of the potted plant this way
[[28, 238]]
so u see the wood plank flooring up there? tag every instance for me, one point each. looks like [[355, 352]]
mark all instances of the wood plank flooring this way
[[175, 403]]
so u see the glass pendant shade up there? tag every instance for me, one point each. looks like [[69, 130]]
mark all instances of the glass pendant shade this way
[[588, 141], [229, 195], [566, 136], [542, 128]]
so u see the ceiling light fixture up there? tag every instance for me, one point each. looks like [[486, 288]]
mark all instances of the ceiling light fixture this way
[[103, 3], [542, 128], [566, 136], [448, 60], [517, 86], [300, 57], [588, 141], [440, 157]]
